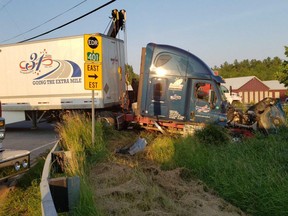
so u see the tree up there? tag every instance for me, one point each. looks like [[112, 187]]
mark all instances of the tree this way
[[264, 70], [130, 73], [282, 75]]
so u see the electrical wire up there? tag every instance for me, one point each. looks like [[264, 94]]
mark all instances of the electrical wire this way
[[106, 29], [44, 22], [5, 5], [102, 6]]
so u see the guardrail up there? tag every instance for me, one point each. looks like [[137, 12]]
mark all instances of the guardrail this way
[[47, 203], [58, 194]]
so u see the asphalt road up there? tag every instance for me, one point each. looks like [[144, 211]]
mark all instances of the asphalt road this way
[[20, 136]]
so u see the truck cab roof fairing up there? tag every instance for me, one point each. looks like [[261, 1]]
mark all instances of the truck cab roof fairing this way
[[169, 60]]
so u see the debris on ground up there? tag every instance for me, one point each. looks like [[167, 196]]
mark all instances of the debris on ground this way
[[138, 146], [123, 190]]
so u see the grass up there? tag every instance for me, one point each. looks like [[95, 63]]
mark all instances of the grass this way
[[76, 136], [86, 204], [75, 132], [252, 175]]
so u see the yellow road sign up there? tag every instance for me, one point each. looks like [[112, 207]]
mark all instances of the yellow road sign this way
[[92, 48], [92, 76]]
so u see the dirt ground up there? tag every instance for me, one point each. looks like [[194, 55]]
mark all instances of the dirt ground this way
[[4, 190], [129, 185]]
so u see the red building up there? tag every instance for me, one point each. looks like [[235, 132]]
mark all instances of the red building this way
[[253, 89]]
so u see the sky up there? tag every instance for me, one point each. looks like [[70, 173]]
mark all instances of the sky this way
[[216, 31]]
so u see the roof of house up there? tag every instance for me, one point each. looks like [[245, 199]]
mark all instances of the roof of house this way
[[274, 84], [238, 82]]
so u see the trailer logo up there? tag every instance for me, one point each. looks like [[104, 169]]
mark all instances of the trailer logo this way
[[50, 71], [35, 62], [177, 85]]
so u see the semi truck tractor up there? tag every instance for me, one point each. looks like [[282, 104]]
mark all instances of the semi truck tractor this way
[[179, 93]]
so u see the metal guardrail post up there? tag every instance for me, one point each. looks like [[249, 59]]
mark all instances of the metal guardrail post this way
[[47, 204]]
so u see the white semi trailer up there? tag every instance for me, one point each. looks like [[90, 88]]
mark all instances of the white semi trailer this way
[[42, 78]]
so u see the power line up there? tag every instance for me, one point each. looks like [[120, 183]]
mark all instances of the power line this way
[[102, 6], [44, 22], [5, 5]]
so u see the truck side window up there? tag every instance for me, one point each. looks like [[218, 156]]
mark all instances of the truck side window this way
[[201, 91]]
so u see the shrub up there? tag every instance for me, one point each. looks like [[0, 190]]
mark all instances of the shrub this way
[[212, 135], [161, 150]]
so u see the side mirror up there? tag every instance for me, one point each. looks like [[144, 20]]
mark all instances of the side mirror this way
[[211, 99]]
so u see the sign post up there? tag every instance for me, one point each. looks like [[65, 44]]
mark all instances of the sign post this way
[[93, 70]]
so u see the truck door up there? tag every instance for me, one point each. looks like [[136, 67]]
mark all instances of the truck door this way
[[203, 108], [157, 101]]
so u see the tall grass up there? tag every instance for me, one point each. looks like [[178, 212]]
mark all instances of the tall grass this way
[[86, 205], [162, 150], [252, 175], [76, 137]]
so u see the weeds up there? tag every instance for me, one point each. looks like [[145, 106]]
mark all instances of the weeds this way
[[76, 137], [86, 204], [251, 175], [161, 150], [212, 135]]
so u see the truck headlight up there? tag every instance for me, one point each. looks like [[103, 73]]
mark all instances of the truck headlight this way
[[25, 163], [2, 135], [17, 166]]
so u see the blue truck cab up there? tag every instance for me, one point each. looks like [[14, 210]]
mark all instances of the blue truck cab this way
[[178, 87]]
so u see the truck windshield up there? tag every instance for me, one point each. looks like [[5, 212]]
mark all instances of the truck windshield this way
[[172, 61], [223, 90]]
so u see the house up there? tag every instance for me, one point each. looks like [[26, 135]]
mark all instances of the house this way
[[278, 89], [252, 89]]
